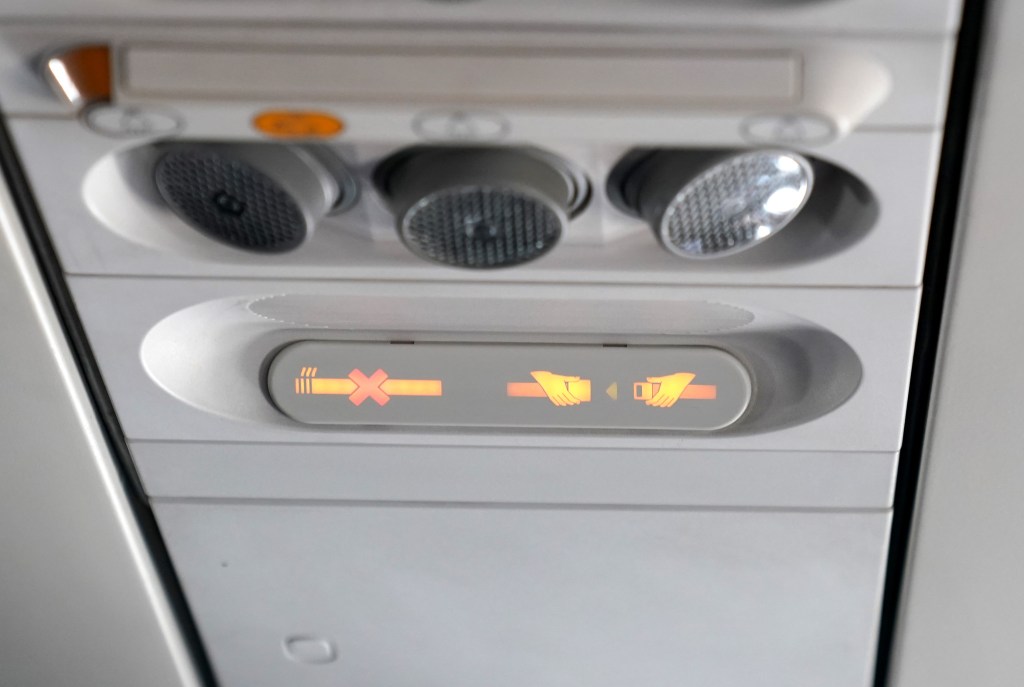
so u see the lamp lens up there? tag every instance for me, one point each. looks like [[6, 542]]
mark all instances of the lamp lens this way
[[737, 203]]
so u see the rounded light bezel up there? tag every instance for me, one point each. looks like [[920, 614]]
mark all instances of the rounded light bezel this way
[[411, 242], [414, 180]]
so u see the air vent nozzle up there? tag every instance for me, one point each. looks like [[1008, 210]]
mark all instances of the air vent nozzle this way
[[261, 197], [480, 207]]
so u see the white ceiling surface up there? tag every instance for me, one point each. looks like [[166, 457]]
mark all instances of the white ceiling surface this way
[[963, 620], [80, 604], [839, 16], [84, 613]]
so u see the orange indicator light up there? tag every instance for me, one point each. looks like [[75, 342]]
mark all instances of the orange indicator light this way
[[359, 387], [411, 387], [525, 390], [82, 74], [331, 387], [700, 392], [561, 390], [297, 124], [663, 392]]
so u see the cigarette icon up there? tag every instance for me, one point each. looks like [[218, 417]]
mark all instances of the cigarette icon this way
[[359, 386]]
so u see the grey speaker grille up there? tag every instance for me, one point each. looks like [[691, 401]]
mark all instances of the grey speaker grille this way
[[230, 200], [737, 203], [481, 227]]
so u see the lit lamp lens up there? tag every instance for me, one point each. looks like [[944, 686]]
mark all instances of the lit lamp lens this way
[[736, 204], [712, 203]]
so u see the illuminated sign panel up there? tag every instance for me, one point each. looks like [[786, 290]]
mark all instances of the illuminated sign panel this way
[[531, 386]]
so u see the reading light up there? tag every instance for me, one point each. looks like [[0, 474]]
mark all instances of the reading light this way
[[709, 205]]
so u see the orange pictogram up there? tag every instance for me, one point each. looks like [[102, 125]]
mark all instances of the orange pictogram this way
[[359, 386], [561, 390], [664, 391]]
